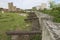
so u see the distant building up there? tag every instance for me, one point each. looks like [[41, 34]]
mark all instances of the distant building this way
[[43, 6], [14, 8], [37, 7], [17, 9], [10, 6], [5, 10]]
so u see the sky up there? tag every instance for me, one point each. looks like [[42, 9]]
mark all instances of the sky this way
[[24, 4], [57, 1]]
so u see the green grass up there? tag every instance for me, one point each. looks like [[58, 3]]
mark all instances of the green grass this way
[[11, 21]]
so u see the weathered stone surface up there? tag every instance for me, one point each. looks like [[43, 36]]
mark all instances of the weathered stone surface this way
[[50, 30]]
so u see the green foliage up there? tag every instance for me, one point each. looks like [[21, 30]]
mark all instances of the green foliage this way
[[10, 21], [55, 12], [34, 8], [36, 37], [52, 4]]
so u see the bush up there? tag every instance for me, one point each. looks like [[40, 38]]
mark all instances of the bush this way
[[55, 12]]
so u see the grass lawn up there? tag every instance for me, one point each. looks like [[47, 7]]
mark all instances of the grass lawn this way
[[11, 21]]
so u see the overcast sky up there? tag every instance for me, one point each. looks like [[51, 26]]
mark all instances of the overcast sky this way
[[24, 4]]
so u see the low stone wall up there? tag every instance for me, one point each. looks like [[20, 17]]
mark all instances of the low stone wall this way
[[50, 31]]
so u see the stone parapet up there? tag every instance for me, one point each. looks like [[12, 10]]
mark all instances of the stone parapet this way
[[50, 30]]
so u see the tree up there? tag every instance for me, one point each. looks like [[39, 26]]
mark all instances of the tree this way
[[52, 4], [1, 9], [34, 8]]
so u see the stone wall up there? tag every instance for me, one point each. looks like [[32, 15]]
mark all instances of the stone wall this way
[[50, 30]]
